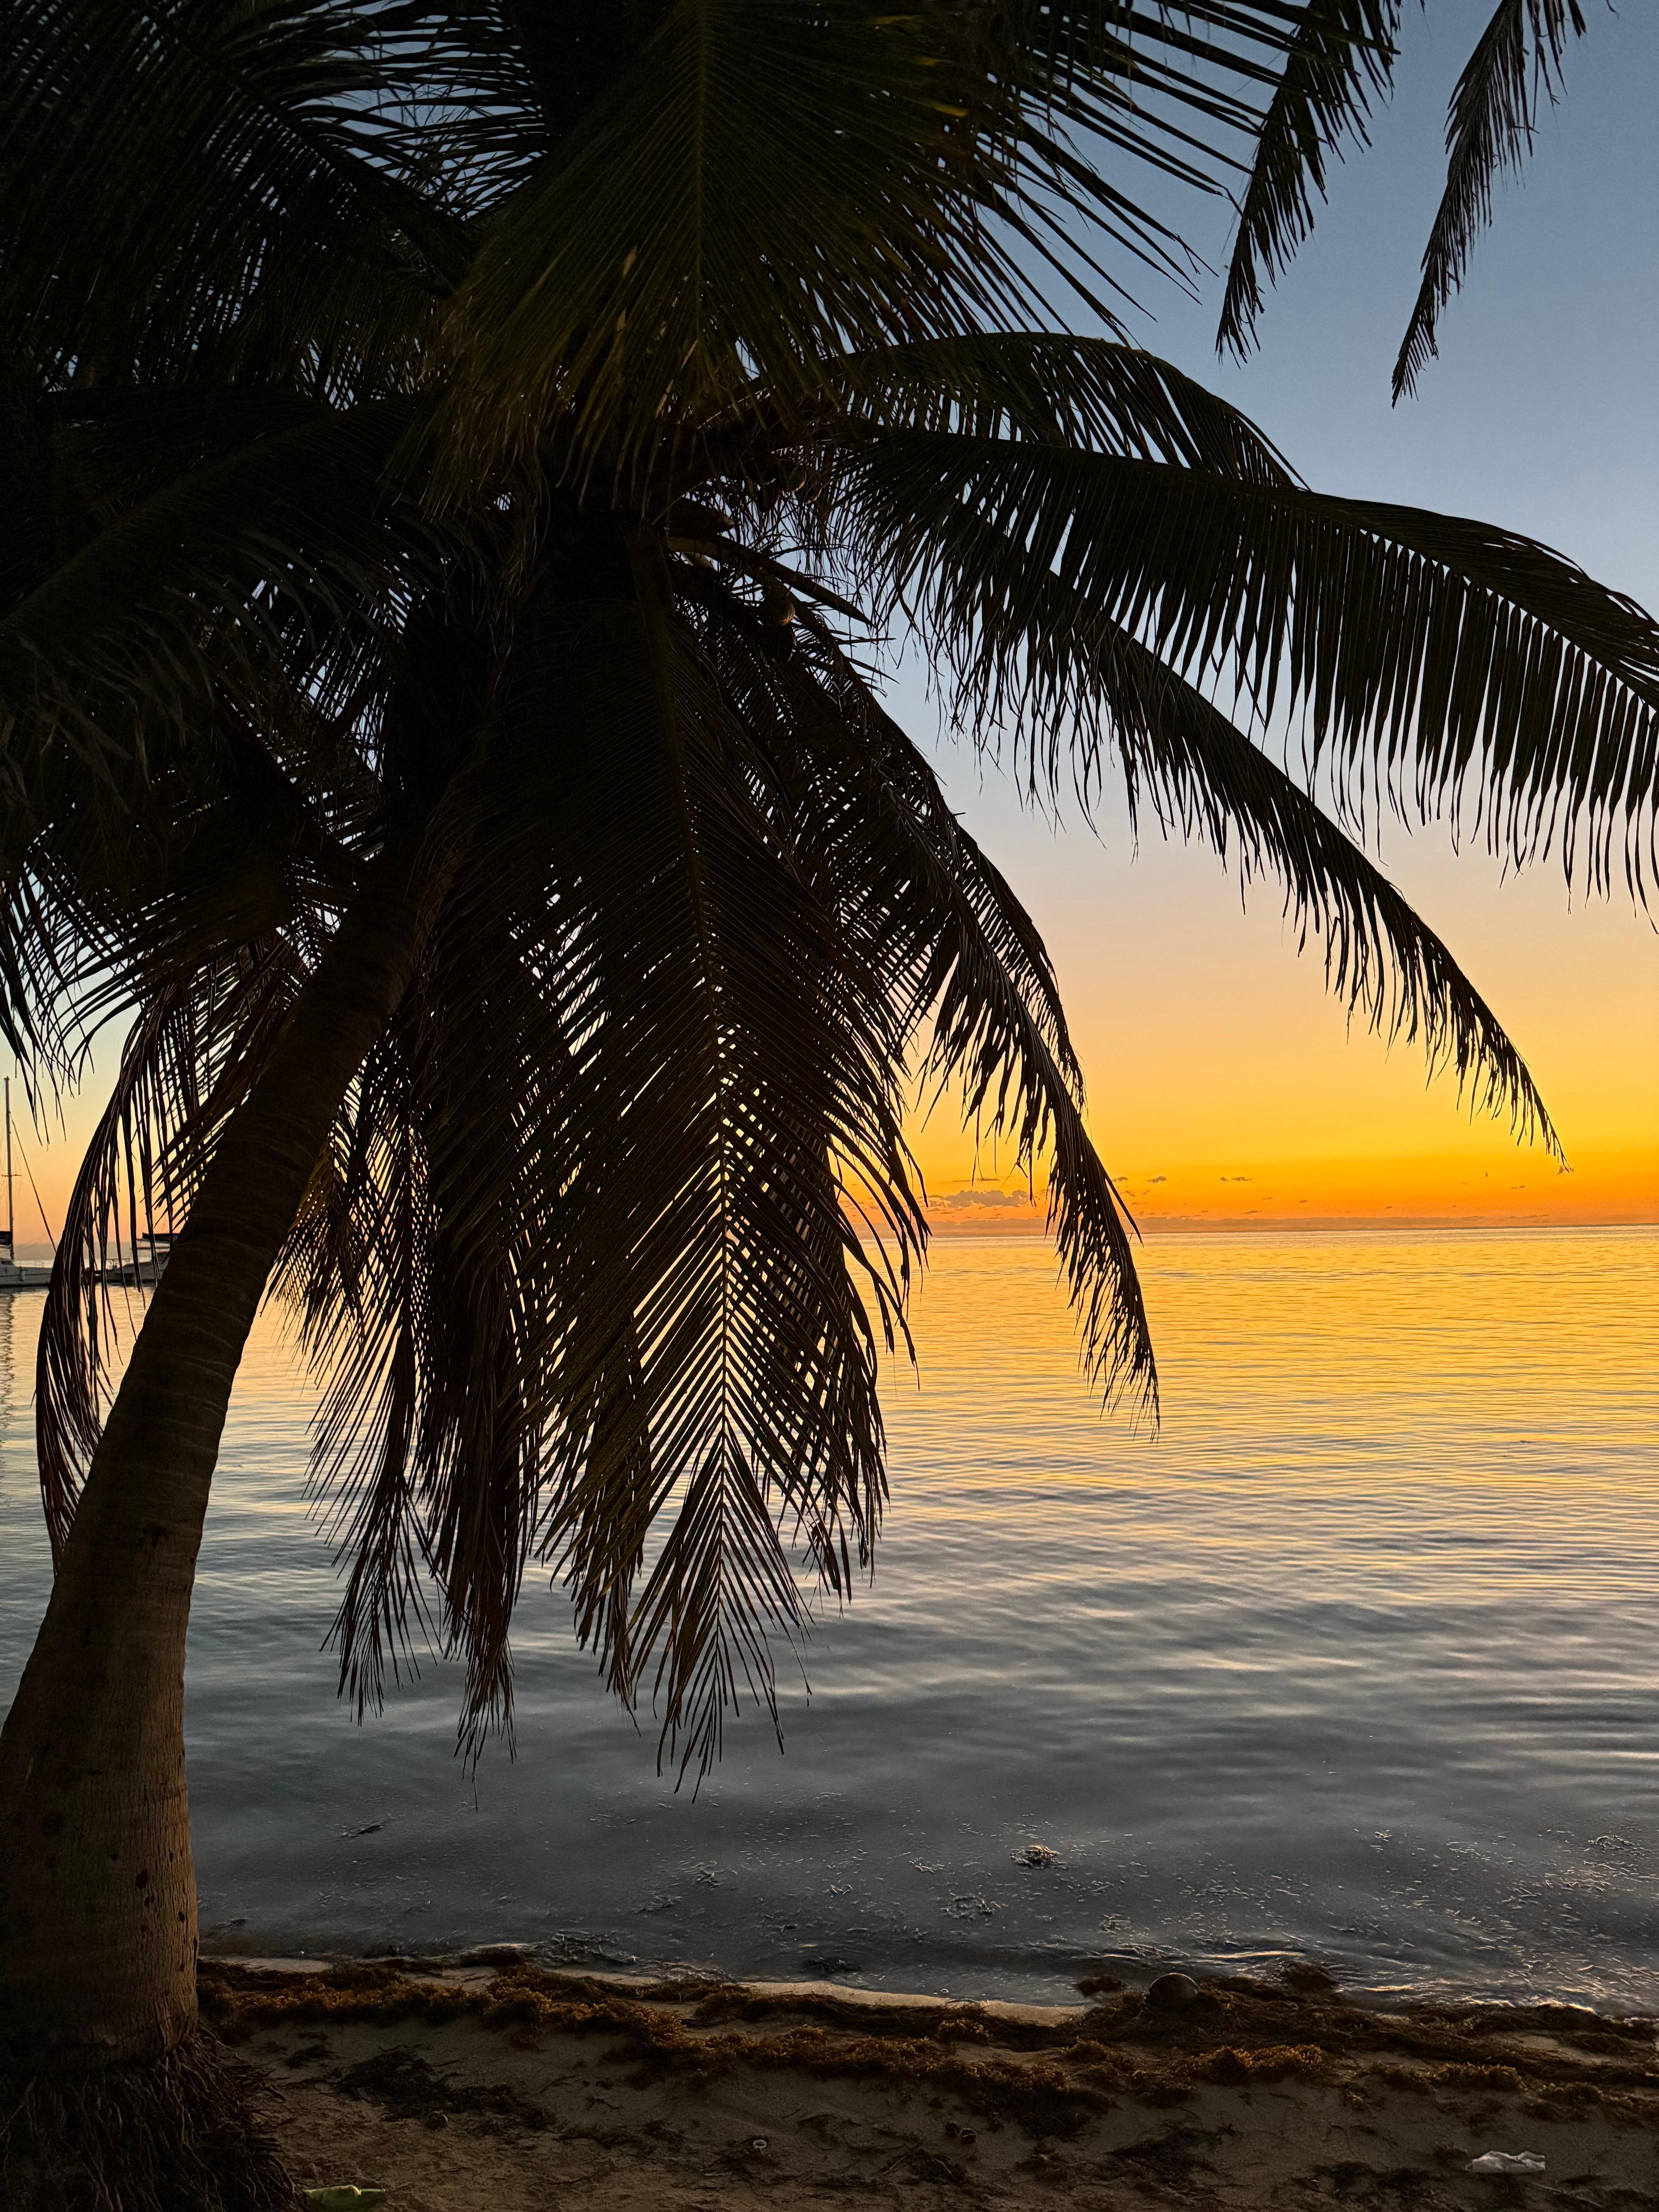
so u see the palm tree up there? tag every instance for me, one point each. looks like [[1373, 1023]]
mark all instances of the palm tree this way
[[469, 464]]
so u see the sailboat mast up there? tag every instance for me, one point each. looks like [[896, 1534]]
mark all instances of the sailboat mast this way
[[11, 1246]]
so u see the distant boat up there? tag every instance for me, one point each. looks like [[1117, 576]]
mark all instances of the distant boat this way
[[14, 1276], [154, 1251]]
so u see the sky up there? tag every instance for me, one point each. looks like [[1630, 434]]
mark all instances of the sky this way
[[1225, 1085]]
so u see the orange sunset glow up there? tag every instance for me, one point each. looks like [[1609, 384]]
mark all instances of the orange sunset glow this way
[[1228, 1088]]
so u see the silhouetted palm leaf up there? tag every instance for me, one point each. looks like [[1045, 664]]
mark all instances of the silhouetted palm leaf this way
[[1087, 392], [1494, 109], [1337, 62], [196, 185], [1422, 654], [212, 578]]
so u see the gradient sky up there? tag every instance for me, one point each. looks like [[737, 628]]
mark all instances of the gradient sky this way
[[1225, 1085]]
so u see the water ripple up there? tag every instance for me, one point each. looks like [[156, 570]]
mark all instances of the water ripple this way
[[1358, 1659]]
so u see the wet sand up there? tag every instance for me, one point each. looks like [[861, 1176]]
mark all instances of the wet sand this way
[[456, 2086]]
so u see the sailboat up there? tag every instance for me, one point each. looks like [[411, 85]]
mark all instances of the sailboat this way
[[14, 1276]]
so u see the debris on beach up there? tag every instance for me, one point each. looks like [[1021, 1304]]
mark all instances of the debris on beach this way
[[1507, 2161], [344, 2197], [1304, 1978], [1037, 1854]]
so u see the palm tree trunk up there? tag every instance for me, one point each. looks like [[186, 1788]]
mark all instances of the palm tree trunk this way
[[98, 1932]]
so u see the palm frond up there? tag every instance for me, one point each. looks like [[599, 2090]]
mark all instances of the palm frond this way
[[1489, 133], [78, 1338], [43, 931], [1427, 658], [189, 180], [185, 1062], [745, 1047], [194, 932], [1337, 60], [210, 580], [961, 962], [1202, 776], [355, 1274], [1093, 394]]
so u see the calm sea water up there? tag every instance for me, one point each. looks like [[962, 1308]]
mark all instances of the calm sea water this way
[[1358, 1659]]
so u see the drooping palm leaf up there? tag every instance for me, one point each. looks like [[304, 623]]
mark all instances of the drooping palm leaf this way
[[142, 1167], [1202, 776], [1092, 394], [357, 1272], [966, 969], [1425, 656], [188, 181], [1489, 132], [744, 1064], [1338, 61]]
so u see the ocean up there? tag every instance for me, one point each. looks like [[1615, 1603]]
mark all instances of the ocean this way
[[1356, 1660]]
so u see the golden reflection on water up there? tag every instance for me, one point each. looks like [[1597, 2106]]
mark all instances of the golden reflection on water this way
[[1543, 1345], [1358, 1656]]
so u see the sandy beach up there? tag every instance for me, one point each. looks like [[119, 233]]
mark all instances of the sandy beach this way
[[485, 2082]]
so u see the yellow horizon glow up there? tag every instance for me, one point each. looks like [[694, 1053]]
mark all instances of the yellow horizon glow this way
[[1522, 1191], [1226, 1085]]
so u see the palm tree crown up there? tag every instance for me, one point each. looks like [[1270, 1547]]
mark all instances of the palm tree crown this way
[[511, 435]]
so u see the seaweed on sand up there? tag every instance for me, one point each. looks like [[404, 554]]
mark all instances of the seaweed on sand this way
[[1047, 2076]]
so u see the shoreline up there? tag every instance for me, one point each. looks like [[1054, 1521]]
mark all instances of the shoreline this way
[[1097, 1972], [485, 2079], [980, 1982]]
